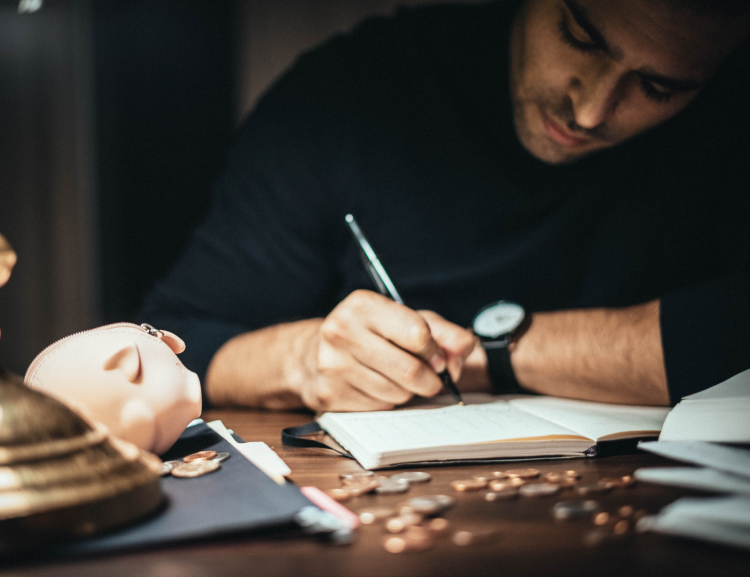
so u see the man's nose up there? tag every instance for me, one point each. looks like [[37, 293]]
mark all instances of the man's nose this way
[[595, 96]]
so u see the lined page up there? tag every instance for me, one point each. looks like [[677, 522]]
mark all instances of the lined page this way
[[593, 420], [384, 431]]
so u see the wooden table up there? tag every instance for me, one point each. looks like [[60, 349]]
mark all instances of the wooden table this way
[[530, 541]]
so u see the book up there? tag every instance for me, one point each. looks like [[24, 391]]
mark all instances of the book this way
[[488, 428], [720, 414]]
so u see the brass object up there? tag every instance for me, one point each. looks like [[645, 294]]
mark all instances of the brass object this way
[[200, 456], [61, 478]]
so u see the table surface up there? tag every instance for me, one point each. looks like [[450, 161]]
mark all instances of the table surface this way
[[529, 541]]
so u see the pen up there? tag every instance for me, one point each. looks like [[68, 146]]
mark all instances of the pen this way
[[387, 288]]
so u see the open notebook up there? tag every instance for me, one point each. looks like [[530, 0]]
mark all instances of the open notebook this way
[[506, 428]]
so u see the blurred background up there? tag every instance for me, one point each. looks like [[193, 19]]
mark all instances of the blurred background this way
[[115, 116]]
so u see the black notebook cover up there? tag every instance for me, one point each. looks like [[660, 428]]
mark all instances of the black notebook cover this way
[[238, 497]]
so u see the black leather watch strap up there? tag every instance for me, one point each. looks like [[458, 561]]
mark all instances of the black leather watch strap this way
[[502, 377]]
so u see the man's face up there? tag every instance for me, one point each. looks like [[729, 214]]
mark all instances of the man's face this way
[[589, 74]]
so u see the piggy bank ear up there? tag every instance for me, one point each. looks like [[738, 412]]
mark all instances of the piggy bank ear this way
[[126, 359], [173, 342]]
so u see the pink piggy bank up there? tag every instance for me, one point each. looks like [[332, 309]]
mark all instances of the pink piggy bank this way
[[125, 376]]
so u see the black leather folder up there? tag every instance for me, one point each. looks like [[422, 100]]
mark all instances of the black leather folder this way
[[238, 498]]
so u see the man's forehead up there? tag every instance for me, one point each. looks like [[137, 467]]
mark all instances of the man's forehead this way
[[673, 41]]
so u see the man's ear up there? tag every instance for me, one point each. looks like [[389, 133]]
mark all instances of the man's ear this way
[[126, 359]]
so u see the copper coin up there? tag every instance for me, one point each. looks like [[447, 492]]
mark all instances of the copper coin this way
[[361, 486], [413, 541], [601, 518], [200, 456], [504, 484], [626, 511], [468, 485], [621, 527], [400, 523], [438, 525], [561, 478], [195, 469], [340, 495], [475, 536], [522, 473], [504, 495]]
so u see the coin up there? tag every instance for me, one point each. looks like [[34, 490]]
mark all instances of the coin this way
[[427, 505], [621, 527], [220, 457], [504, 484], [412, 476], [538, 490], [355, 475], [522, 473], [626, 511], [200, 456], [468, 485], [361, 486], [438, 525], [400, 523], [601, 518], [475, 536], [592, 489], [340, 495], [369, 516], [195, 469], [618, 482], [561, 478], [565, 510], [391, 486], [415, 539], [167, 466], [504, 495]]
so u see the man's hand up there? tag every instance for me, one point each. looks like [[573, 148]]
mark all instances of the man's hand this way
[[370, 353]]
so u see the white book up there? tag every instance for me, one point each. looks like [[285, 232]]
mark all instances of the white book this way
[[514, 427], [720, 414]]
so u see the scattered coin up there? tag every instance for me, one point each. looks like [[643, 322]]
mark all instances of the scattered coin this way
[[200, 456], [562, 478], [468, 485], [476, 536], [504, 495], [416, 539], [601, 518], [400, 523], [391, 486], [195, 469], [628, 480], [522, 473], [593, 489], [428, 505], [621, 527], [340, 495], [565, 510], [361, 486], [618, 482], [538, 490], [499, 485], [167, 466], [626, 511], [369, 516], [412, 476], [355, 475], [438, 525], [221, 457]]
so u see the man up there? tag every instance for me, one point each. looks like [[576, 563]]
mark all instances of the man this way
[[499, 151]]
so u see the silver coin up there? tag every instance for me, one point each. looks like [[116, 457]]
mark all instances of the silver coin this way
[[391, 486], [352, 475], [538, 490], [167, 466], [221, 457], [412, 476], [437, 503], [565, 510]]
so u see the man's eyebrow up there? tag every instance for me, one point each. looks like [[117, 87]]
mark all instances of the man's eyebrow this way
[[580, 15], [676, 84]]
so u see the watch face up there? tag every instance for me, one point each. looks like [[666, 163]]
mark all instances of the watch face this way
[[498, 319]]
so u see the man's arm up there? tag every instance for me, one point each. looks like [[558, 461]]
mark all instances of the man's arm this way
[[610, 355], [370, 353]]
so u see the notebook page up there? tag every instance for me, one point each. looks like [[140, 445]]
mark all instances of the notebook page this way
[[384, 431], [593, 420], [738, 387]]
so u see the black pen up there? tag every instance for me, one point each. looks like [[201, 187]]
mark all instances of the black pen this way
[[387, 288]]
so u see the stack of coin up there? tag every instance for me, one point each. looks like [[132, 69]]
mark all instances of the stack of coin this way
[[194, 465], [357, 483]]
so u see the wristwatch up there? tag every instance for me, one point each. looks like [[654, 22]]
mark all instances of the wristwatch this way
[[497, 325]]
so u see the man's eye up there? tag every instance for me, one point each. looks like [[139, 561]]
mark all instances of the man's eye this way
[[655, 93], [580, 40]]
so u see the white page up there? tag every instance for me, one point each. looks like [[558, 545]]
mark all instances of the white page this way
[[729, 459], [695, 478], [738, 387], [717, 421], [258, 453], [383, 431], [593, 420]]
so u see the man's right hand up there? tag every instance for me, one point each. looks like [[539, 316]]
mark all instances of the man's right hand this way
[[372, 353]]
